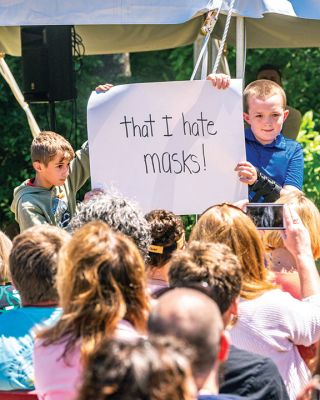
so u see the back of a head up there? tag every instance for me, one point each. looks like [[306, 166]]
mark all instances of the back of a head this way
[[120, 214], [262, 89], [100, 281], [310, 217], [212, 265], [5, 248], [47, 145], [33, 262], [229, 225], [167, 233], [142, 370], [193, 317]]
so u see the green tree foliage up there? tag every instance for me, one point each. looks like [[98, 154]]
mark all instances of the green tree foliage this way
[[310, 140]]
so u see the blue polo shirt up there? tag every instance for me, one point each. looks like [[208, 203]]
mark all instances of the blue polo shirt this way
[[281, 160]]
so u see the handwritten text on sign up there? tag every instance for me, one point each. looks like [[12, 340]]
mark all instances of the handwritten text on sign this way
[[170, 145]]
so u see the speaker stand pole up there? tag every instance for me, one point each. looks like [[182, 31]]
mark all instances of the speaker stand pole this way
[[52, 110]]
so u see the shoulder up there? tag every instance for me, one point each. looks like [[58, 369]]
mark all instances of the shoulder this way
[[293, 112], [250, 374], [292, 145], [272, 302]]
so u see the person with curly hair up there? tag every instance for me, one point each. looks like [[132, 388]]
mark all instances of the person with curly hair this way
[[101, 287], [143, 370], [168, 234], [119, 213]]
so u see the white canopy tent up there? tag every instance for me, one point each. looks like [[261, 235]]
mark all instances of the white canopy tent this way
[[108, 27], [139, 25]]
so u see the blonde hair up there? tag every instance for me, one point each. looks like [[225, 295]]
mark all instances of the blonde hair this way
[[262, 89], [5, 248], [47, 145], [229, 225], [310, 216], [100, 280]]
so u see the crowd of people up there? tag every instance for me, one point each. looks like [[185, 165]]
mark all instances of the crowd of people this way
[[126, 308], [100, 301]]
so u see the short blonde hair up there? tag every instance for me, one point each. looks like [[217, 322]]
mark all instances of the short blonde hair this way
[[310, 216], [262, 89], [47, 145], [229, 225], [5, 248]]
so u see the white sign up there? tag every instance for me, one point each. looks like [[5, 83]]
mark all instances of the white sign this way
[[171, 145]]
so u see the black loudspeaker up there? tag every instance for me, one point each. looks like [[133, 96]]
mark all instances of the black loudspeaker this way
[[47, 63]]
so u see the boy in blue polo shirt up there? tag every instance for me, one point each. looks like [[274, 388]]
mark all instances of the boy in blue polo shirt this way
[[274, 163]]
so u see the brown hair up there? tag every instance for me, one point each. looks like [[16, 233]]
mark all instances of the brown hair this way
[[262, 89], [47, 145], [33, 262], [100, 280], [310, 217], [209, 264], [229, 225], [167, 232], [5, 247], [142, 370]]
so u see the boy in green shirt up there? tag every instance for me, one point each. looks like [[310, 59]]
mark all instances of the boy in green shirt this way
[[50, 197]]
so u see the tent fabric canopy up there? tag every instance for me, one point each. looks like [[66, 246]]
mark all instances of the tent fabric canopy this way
[[140, 25], [98, 12], [307, 9], [108, 27], [275, 23]]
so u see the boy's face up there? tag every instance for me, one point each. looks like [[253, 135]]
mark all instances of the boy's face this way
[[266, 117], [56, 172]]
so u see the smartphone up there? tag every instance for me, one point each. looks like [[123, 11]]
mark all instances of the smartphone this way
[[266, 216], [315, 393]]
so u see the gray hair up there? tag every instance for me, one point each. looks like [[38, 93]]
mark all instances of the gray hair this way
[[120, 214]]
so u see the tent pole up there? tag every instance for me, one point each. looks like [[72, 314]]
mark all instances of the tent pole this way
[[240, 47], [7, 75]]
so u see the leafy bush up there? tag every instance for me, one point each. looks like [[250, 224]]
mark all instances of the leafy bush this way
[[310, 140]]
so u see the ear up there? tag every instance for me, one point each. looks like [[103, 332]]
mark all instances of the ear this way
[[246, 118], [38, 166], [285, 115], [224, 346], [234, 306]]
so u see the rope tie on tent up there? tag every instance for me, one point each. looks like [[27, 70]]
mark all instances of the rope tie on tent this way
[[8, 77], [224, 37], [206, 29]]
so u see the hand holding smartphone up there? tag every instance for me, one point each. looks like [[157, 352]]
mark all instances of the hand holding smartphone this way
[[266, 216]]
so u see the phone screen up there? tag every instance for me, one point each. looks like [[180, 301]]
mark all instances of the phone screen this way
[[266, 215]]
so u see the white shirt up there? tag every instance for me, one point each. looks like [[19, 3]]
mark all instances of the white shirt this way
[[272, 325]]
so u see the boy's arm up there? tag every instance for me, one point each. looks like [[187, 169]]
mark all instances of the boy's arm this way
[[260, 184], [80, 168], [29, 215], [294, 175]]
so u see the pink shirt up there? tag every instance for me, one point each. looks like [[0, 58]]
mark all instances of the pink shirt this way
[[57, 379]]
